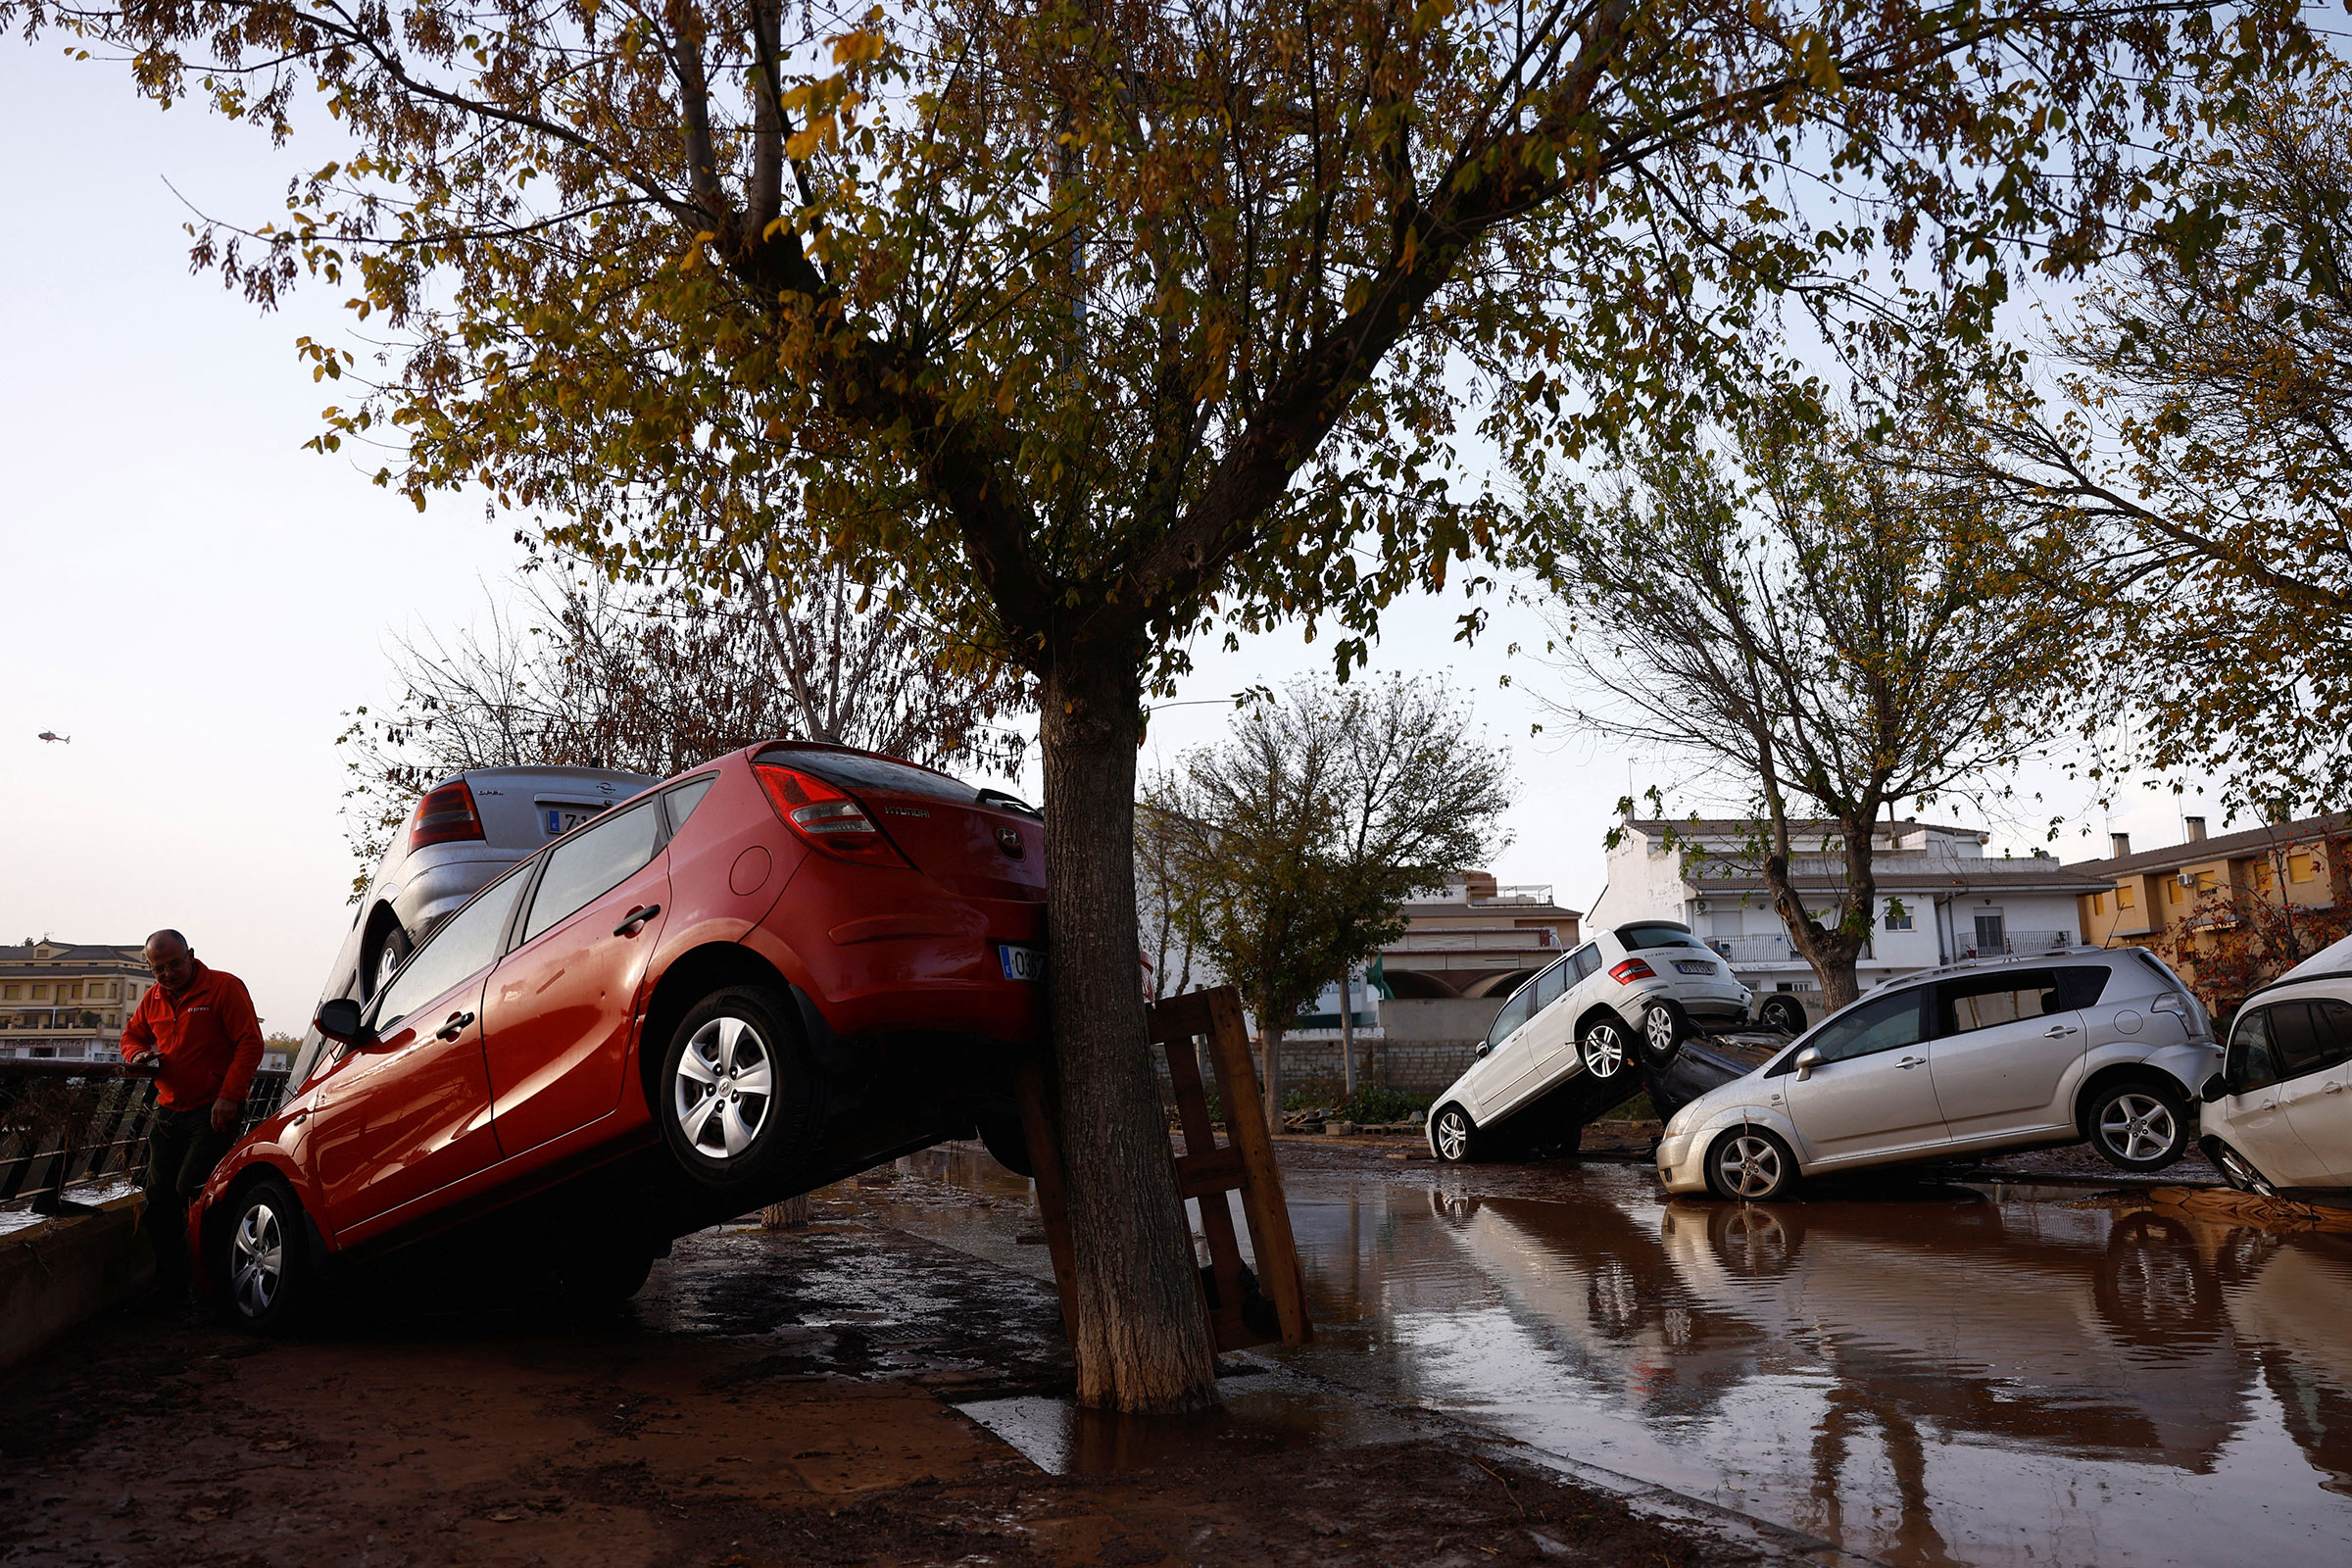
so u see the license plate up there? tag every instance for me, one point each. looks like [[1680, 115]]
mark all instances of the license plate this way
[[1695, 966], [1021, 963], [562, 819]]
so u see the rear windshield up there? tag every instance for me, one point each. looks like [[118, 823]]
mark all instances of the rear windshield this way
[[854, 770], [1657, 934]]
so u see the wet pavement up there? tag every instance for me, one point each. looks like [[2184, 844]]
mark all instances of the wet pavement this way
[[1983, 1373]]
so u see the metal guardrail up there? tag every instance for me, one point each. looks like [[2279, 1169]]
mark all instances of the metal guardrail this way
[[64, 1125]]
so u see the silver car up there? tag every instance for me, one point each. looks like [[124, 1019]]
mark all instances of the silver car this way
[[1561, 1051], [1969, 1060], [465, 831]]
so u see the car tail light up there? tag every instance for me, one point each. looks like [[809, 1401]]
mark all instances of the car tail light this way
[[445, 815], [827, 818], [1631, 971]]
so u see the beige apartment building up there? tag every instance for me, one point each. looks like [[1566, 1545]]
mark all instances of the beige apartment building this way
[[68, 999], [2164, 898], [1476, 939]]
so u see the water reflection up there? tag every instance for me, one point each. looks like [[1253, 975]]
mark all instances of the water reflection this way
[[1940, 1375]]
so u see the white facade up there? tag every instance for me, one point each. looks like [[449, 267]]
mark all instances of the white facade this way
[[1940, 896]]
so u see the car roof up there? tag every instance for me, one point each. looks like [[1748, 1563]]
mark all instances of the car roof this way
[[2007, 961]]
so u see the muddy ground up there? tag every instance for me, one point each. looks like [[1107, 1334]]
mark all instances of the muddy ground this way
[[769, 1398]]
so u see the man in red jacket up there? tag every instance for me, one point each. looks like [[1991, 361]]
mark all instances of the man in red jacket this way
[[197, 1026]]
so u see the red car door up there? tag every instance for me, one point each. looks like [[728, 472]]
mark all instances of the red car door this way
[[559, 1008], [408, 1113]]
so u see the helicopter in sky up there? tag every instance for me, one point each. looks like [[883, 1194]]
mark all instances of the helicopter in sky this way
[[52, 735]]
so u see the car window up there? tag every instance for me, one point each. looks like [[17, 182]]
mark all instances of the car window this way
[[1548, 986], [681, 802], [1586, 959], [2083, 985], [2331, 1027], [2251, 1064], [1984, 1000], [1514, 1013], [1651, 935], [593, 861], [1879, 1024], [2301, 1037], [850, 769], [467, 941]]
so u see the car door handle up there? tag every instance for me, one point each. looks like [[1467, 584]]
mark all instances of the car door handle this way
[[2331, 1089], [637, 917], [2056, 1032], [1909, 1062], [455, 1027]]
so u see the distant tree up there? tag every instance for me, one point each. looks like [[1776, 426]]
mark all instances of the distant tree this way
[[583, 672], [2203, 421], [1822, 635], [1292, 846]]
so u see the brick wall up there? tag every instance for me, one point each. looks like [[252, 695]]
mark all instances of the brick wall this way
[[1415, 1067]]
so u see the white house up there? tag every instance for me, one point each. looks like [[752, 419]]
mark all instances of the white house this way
[[1939, 896]]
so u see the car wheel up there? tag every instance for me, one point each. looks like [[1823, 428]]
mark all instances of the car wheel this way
[[390, 954], [260, 1265], [1663, 1031], [736, 1100], [1604, 1049], [1753, 1244], [1454, 1135], [2138, 1127], [1750, 1165], [1008, 1143], [1785, 1014], [2240, 1172]]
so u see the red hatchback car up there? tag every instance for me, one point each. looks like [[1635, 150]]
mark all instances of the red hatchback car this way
[[768, 973]]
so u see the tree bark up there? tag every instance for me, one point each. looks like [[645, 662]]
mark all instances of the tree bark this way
[[1142, 1334], [1269, 1046]]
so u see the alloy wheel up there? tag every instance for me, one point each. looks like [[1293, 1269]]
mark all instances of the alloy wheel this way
[[1604, 1051], [256, 1259], [2138, 1126], [1749, 1165], [2241, 1174], [1660, 1027], [1453, 1134], [724, 1086]]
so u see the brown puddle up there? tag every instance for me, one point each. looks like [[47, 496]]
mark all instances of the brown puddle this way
[[1923, 1374]]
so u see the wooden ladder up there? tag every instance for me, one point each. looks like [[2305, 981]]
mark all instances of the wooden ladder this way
[[1204, 1173]]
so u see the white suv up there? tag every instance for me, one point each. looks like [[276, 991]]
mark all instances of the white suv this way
[[2280, 1112], [1561, 1051], [1969, 1060]]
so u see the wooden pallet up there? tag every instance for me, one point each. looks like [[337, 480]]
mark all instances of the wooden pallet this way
[[1206, 1172]]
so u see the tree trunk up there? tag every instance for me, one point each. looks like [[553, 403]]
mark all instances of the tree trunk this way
[[1269, 1046], [1142, 1334]]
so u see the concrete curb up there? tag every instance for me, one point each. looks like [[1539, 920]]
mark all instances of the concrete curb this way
[[57, 1275]]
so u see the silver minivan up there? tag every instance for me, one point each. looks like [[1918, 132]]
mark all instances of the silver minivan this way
[[2104, 1045]]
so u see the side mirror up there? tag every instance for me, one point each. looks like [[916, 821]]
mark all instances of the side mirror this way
[[1806, 1060], [2216, 1088], [340, 1020], [1483, 1048]]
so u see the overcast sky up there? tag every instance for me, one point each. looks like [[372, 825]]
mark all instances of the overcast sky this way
[[196, 600]]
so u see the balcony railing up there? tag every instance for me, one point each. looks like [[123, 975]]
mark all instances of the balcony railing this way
[[1498, 939], [1753, 949], [2013, 944], [63, 1124]]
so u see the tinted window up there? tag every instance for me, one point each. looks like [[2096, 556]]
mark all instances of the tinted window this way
[[2251, 1064], [849, 771], [1549, 984], [465, 944], [1879, 1024], [1984, 1000], [681, 802], [2306, 1036], [1586, 959], [592, 862], [1638, 937], [2082, 986], [1514, 1013], [2331, 1024]]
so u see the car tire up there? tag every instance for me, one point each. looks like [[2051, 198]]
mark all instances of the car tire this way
[[735, 1097], [391, 951], [261, 1271], [1008, 1144], [1750, 1165], [2238, 1170], [1604, 1048], [2137, 1125], [1455, 1135], [1783, 1014], [597, 1279], [1664, 1028]]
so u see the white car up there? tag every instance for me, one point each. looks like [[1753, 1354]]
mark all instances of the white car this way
[[1969, 1060], [1560, 1050], [2279, 1112]]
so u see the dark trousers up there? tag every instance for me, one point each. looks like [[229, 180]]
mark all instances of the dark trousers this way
[[181, 1150]]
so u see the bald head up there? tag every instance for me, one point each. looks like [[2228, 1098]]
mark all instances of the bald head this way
[[171, 960]]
